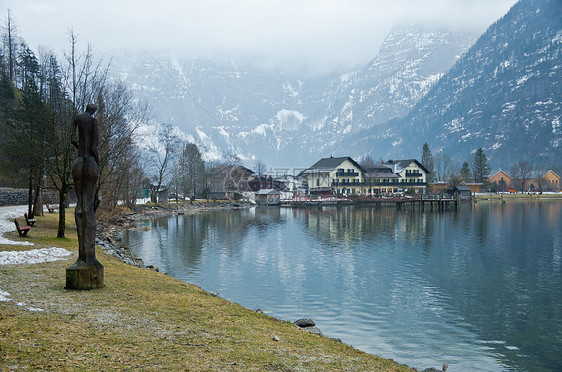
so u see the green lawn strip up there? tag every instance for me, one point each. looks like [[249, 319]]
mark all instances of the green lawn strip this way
[[146, 320]]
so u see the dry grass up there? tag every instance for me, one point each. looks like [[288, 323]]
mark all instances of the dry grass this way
[[146, 320]]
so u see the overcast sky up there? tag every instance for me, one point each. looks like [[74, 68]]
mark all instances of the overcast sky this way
[[315, 33]]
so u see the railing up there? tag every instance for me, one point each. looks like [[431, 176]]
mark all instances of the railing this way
[[347, 174], [413, 174], [348, 183], [394, 183]]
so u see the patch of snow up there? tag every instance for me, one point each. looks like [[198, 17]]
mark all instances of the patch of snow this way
[[454, 126], [33, 256], [4, 296], [540, 103], [319, 124], [508, 106], [262, 129], [557, 38], [223, 131], [7, 216], [556, 125], [34, 309], [285, 115], [522, 79], [288, 88]]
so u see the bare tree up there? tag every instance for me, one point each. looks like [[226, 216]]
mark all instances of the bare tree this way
[[367, 162], [119, 117], [453, 177], [162, 157], [521, 174], [11, 44], [443, 163], [260, 168], [540, 182], [82, 79]]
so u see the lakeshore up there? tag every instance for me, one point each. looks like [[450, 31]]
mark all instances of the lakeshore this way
[[421, 288], [144, 319]]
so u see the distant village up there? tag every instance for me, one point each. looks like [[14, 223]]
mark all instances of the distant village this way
[[344, 177]]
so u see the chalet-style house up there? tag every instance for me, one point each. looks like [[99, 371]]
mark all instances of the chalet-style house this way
[[411, 172], [331, 175], [344, 176]]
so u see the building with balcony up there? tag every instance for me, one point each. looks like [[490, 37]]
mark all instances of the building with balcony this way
[[380, 179], [344, 176], [412, 174], [328, 176]]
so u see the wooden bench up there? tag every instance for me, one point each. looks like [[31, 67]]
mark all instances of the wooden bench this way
[[22, 230], [29, 221]]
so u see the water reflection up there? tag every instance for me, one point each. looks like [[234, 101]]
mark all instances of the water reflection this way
[[480, 289]]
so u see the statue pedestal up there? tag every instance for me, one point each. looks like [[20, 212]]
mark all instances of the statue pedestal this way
[[82, 275]]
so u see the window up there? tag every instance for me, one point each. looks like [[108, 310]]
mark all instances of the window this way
[[317, 182]]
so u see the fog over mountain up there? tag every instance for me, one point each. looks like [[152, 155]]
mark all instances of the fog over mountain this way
[[290, 82], [312, 35], [287, 119]]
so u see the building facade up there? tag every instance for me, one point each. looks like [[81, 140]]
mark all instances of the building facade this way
[[502, 180], [412, 174], [552, 181], [328, 176], [344, 176]]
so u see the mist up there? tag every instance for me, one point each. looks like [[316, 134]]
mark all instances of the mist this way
[[311, 35]]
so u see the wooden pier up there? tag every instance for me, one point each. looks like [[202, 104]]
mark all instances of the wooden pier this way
[[420, 203]]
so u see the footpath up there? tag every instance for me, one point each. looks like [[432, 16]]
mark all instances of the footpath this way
[[141, 319]]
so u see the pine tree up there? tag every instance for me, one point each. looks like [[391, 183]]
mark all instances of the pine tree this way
[[427, 160], [480, 166], [465, 173]]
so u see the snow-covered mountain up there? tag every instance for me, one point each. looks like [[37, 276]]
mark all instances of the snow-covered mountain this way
[[504, 95], [290, 120]]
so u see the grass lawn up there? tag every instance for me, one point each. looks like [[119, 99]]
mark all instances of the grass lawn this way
[[145, 320]]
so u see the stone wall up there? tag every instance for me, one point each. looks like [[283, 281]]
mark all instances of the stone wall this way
[[9, 196]]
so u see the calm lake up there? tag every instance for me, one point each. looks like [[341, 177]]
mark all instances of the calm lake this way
[[480, 289]]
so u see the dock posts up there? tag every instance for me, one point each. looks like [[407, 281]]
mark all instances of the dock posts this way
[[457, 202]]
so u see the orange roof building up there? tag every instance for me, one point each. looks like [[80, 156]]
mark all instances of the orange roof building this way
[[552, 180], [500, 176]]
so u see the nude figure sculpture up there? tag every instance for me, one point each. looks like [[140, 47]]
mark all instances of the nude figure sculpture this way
[[86, 272]]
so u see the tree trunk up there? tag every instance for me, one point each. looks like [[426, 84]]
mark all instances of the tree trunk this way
[[62, 212], [30, 194], [38, 203]]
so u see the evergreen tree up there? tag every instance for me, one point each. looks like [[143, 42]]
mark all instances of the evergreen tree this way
[[192, 169], [465, 173], [480, 166], [427, 160]]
